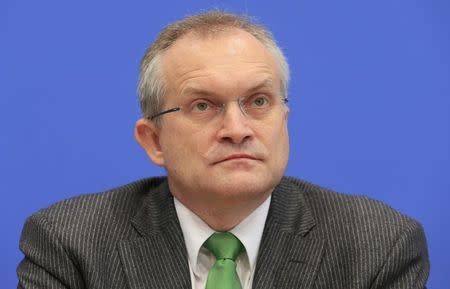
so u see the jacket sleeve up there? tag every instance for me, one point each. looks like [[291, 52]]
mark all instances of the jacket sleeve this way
[[407, 264], [46, 263]]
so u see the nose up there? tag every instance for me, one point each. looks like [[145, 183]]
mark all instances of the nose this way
[[235, 126]]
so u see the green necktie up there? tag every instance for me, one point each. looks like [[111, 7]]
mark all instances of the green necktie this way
[[225, 247]]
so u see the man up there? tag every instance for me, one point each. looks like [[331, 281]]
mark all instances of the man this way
[[213, 93]]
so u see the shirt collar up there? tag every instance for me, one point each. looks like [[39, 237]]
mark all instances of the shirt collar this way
[[196, 231], [250, 230]]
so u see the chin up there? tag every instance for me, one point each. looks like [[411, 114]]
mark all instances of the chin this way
[[244, 184]]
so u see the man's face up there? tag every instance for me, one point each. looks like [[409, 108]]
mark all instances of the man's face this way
[[233, 158]]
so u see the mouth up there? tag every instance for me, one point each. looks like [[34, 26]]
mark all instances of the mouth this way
[[239, 156]]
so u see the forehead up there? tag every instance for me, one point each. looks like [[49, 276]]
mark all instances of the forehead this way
[[233, 55]]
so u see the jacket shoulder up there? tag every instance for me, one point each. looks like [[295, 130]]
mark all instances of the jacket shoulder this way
[[330, 206], [109, 211]]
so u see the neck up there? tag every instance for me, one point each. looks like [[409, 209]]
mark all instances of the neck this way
[[223, 215]]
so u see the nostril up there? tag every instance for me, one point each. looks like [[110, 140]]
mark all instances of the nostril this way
[[235, 134]]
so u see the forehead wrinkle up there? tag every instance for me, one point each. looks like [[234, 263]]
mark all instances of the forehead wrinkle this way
[[189, 85], [218, 72], [191, 90], [188, 71], [179, 81], [266, 82]]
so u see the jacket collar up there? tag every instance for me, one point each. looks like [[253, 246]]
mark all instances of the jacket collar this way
[[158, 258], [291, 250], [289, 255]]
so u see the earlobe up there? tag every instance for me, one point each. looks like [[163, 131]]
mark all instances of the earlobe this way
[[286, 114], [147, 135]]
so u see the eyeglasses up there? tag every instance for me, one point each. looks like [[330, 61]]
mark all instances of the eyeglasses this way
[[204, 110]]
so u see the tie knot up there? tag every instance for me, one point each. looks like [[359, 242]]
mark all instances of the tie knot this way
[[224, 245]]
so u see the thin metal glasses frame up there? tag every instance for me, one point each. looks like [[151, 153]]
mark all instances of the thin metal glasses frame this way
[[174, 109]]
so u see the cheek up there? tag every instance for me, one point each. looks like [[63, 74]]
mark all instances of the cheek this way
[[183, 146], [274, 134], [276, 140]]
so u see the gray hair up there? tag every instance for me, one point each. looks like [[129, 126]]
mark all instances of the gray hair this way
[[152, 87]]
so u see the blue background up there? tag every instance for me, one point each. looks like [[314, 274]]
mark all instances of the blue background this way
[[369, 102]]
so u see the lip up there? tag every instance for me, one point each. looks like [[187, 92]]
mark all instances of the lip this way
[[237, 157]]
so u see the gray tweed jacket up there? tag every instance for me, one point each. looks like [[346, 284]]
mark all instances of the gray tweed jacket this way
[[130, 237]]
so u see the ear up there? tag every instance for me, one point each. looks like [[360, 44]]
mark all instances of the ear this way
[[147, 135], [286, 113]]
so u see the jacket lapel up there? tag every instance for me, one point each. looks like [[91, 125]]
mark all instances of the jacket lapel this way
[[290, 250], [158, 258], [289, 254]]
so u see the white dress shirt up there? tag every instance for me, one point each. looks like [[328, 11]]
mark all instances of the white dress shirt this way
[[196, 231]]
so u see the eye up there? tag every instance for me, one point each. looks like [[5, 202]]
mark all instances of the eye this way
[[259, 101], [201, 106]]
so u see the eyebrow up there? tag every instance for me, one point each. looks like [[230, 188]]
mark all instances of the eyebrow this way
[[266, 83]]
